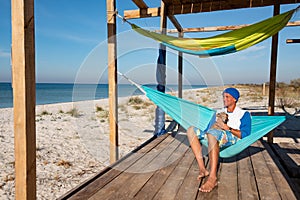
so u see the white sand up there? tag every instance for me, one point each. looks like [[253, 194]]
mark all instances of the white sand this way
[[72, 149]]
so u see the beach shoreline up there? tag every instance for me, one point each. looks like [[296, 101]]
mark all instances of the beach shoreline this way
[[72, 139]]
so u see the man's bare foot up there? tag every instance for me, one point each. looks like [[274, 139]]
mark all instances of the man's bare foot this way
[[202, 174], [209, 185]]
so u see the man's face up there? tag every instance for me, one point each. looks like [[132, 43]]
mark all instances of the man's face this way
[[228, 100]]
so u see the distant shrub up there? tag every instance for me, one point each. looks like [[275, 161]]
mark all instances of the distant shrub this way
[[103, 114], [99, 109], [147, 104], [74, 112], [45, 112], [135, 100], [295, 83], [137, 107], [64, 163]]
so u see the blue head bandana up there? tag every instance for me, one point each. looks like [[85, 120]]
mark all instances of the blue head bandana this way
[[233, 92]]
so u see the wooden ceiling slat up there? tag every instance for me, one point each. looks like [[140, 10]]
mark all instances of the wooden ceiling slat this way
[[189, 6], [148, 12], [221, 5]]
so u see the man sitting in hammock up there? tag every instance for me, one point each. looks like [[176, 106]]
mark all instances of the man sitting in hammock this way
[[238, 126]]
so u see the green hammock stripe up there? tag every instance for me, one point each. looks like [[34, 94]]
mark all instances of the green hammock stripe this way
[[188, 114], [204, 53], [238, 39]]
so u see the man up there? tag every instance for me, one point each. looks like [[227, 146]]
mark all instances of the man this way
[[238, 126]]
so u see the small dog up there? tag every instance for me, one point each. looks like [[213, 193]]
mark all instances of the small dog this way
[[220, 116]]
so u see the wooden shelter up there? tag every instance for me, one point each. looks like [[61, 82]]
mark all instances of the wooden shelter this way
[[23, 63], [168, 9]]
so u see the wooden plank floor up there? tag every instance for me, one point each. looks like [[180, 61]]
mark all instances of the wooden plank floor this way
[[165, 168]]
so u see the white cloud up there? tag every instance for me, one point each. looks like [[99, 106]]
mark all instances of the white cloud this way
[[67, 36], [255, 48], [4, 54], [251, 52]]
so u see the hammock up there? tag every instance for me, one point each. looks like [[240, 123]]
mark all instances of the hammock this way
[[226, 43], [188, 114]]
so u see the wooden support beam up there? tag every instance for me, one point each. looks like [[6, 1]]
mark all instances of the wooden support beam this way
[[180, 63], [175, 23], [163, 19], [112, 79], [161, 74], [23, 68], [294, 23], [221, 28], [140, 3], [292, 41], [273, 67], [142, 13]]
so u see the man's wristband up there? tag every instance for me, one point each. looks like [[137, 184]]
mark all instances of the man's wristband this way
[[230, 129]]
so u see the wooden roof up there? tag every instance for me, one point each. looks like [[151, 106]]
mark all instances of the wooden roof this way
[[176, 7]]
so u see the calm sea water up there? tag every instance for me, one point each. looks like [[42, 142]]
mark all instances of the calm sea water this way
[[47, 93]]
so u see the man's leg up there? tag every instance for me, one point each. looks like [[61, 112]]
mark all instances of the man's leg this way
[[197, 150], [213, 149]]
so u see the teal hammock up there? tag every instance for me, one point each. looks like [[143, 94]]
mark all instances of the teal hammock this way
[[188, 114]]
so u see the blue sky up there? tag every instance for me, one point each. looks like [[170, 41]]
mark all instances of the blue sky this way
[[71, 46]]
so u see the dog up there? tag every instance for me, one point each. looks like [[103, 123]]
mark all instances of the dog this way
[[220, 116]]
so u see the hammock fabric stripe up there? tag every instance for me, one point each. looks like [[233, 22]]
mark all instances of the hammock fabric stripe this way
[[184, 112], [226, 43], [261, 125], [188, 114]]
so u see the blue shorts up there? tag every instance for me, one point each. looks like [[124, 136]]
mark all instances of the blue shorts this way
[[225, 138]]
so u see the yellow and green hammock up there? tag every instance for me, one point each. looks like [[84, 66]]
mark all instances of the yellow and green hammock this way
[[226, 43]]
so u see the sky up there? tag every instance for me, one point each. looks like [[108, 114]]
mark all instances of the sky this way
[[71, 46]]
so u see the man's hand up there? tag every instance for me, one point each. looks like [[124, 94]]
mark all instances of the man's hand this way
[[220, 122]]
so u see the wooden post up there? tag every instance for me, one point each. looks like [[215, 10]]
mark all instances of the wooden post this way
[[112, 80], [163, 20], [272, 84], [23, 67], [180, 69]]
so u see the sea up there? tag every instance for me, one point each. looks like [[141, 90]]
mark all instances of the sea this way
[[49, 93]]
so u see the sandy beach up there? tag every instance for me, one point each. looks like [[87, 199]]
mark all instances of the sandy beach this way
[[73, 138]]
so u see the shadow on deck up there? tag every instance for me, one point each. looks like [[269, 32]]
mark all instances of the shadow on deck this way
[[165, 168]]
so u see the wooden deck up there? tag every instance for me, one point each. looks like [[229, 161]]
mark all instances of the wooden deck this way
[[165, 168]]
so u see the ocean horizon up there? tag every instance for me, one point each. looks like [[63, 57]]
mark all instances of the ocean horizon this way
[[50, 93]]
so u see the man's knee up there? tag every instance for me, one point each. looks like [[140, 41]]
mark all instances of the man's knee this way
[[190, 132]]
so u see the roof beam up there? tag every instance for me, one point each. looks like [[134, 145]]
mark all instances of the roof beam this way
[[205, 6], [293, 41], [208, 6], [222, 28], [140, 3], [175, 23], [142, 13]]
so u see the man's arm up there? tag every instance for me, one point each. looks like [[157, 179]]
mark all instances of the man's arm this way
[[245, 127], [235, 132]]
